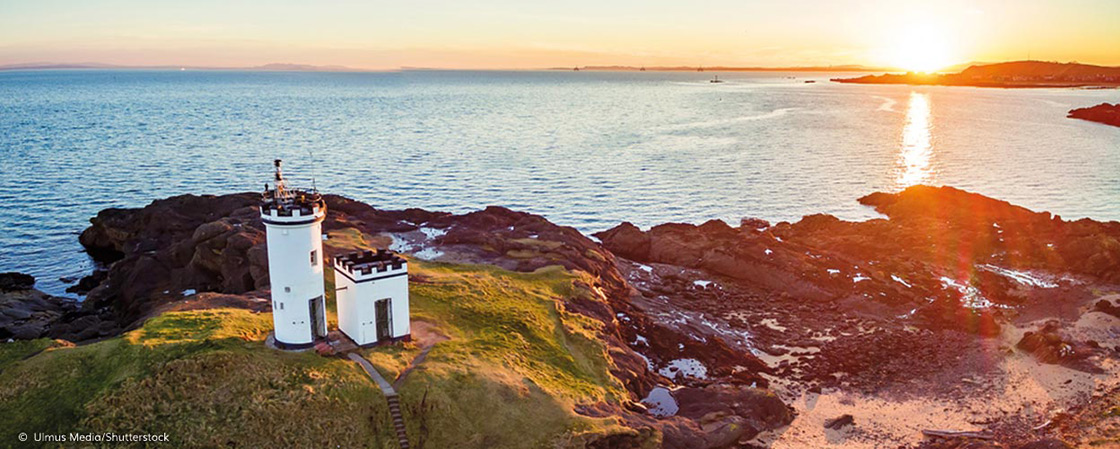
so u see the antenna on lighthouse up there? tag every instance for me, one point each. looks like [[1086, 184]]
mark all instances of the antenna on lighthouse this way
[[312, 170]]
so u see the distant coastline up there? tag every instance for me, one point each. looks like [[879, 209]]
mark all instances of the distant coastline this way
[[290, 67], [626, 68], [1017, 74], [274, 67]]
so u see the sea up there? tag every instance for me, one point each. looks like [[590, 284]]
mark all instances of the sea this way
[[587, 149]]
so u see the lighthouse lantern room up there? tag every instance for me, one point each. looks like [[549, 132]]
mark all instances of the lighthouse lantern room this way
[[293, 223], [371, 290]]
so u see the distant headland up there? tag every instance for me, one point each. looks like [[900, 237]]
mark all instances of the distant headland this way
[[1109, 114], [1016, 74], [273, 67]]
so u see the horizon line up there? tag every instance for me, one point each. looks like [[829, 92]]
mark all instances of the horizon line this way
[[300, 67]]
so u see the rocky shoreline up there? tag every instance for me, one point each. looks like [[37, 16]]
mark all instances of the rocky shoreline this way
[[758, 333]]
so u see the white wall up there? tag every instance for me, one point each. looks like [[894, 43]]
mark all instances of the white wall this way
[[356, 304], [397, 289], [295, 281], [349, 314]]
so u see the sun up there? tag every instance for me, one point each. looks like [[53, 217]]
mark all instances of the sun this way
[[921, 48]]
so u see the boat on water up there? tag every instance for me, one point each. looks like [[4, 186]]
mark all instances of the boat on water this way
[[715, 80]]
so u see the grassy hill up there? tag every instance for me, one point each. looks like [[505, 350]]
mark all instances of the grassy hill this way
[[513, 369]]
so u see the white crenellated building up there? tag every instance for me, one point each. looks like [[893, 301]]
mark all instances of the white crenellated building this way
[[371, 289], [293, 221]]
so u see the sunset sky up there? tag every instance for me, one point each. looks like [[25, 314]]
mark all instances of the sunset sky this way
[[520, 34]]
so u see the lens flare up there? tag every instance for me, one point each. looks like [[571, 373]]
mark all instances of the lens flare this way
[[914, 157]]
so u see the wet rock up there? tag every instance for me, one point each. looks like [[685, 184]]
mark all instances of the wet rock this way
[[723, 430], [758, 409], [12, 281], [28, 314], [89, 282], [1049, 345]]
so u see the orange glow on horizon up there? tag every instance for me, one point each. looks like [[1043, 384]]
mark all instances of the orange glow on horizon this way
[[506, 34]]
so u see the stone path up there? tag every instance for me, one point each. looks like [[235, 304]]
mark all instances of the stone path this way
[[415, 362], [425, 335], [390, 396]]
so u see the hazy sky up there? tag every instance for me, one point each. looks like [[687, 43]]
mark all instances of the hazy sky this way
[[522, 34]]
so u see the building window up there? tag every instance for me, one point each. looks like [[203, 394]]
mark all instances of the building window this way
[[314, 258]]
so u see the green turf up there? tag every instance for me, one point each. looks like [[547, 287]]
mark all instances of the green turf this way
[[515, 366]]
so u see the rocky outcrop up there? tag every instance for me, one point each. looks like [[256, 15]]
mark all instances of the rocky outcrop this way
[[752, 410], [26, 313], [931, 221], [1109, 114], [1049, 345], [964, 250], [16, 281], [1105, 306], [162, 252]]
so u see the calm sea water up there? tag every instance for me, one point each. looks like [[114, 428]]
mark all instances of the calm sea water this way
[[586, 149]]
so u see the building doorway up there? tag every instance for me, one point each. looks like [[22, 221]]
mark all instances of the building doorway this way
[[384, 321], [318, 317]]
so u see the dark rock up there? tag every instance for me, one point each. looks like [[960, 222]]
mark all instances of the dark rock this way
[[759, 409], [839, 422], [30, 314], [16, 281], [1108, 114], [1108, 307], [626, 240], [26, 331], [722, 430], [16, 313], [171, 245], [89, 282], [1049, 345]]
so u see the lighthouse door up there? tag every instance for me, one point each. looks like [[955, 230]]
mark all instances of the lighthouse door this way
[[381, 314], [318, 318]]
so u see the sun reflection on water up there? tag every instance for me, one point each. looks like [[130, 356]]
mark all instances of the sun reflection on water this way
[[914, 158]]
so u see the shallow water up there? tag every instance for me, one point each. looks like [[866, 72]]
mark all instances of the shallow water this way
[[586, 149]]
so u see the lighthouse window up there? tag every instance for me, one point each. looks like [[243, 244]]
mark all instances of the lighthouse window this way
[[314, 258]]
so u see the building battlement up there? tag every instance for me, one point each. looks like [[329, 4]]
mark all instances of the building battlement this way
[[281, 205], [365, 263], [292, 203]]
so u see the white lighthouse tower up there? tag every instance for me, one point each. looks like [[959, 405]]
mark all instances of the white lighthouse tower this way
[[293, 224]]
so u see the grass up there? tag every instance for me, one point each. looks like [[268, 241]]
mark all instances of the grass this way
[[203, 377], [515, 366], [516, 321], [19, 350]]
